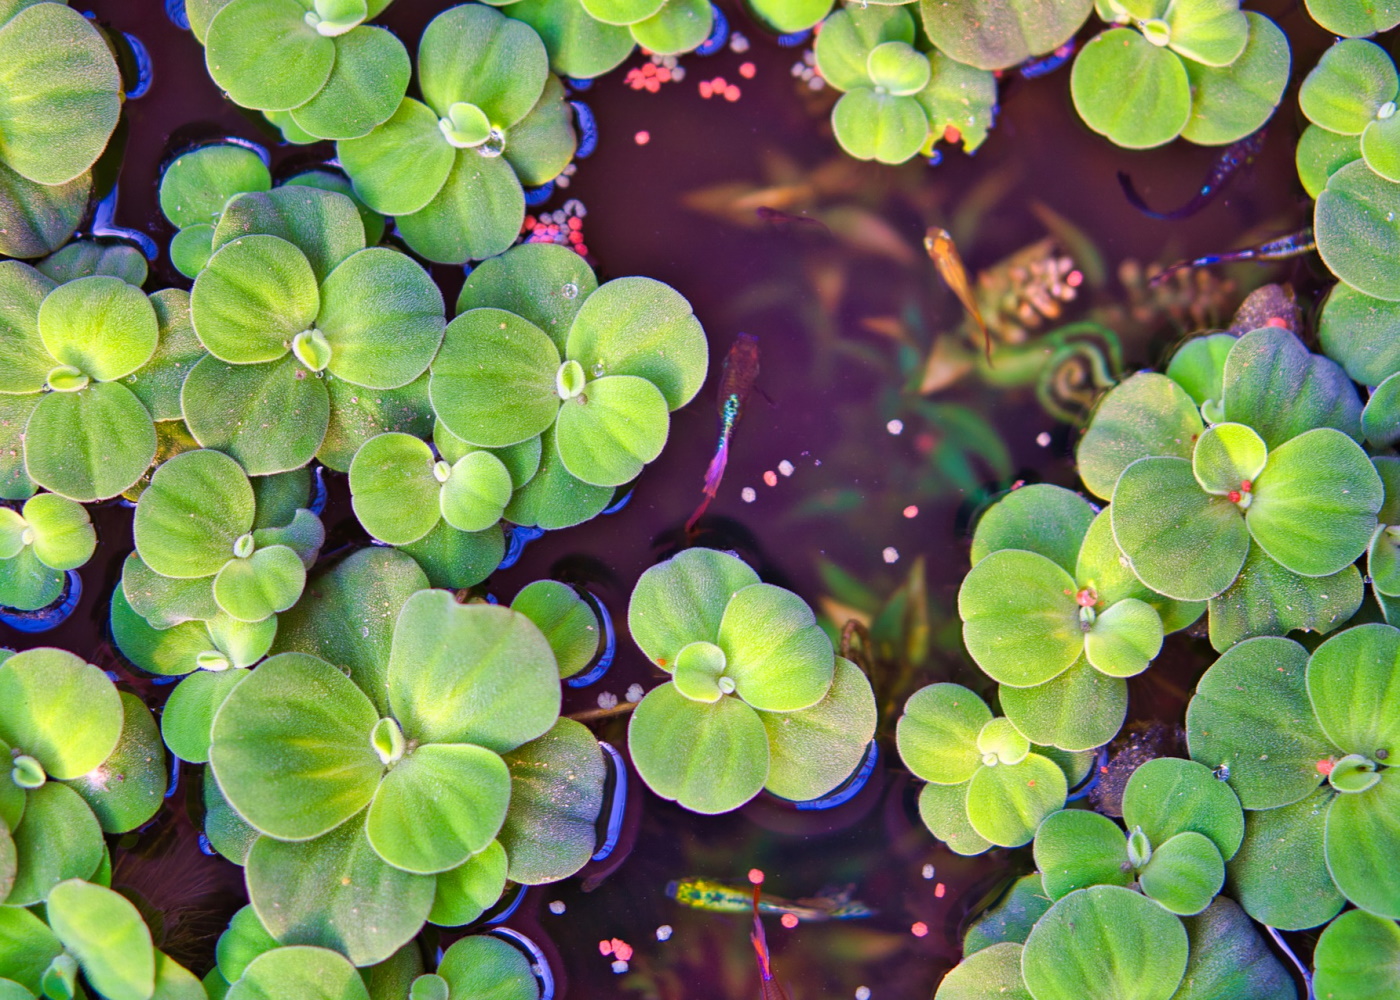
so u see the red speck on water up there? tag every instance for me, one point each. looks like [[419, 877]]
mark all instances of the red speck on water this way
[[789, 920], [756, 876], [940, 890]]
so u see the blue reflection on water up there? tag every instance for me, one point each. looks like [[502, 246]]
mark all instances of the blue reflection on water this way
[[520, 536], [539, 195], [719, 34], [539, 964], [617, 809], [175, 10], [587, 130], [849, 788], [607, 646], [52, 616]]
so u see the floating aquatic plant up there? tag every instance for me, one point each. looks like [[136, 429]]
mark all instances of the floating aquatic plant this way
[[39, 544]]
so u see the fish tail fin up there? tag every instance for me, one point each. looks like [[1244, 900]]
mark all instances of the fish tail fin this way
[[713, 474]]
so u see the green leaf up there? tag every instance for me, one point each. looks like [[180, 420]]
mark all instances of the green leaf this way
[[57, 839], [467, 891], [556, 794], [268, 417], [1168, 796], [28, 947], [291, 747], [323, 225], [191, 248], [164, 601], [268, 581], [679, 26], [1006, 802], [1101, 566], [244, 940], [59, 710], [368, 80], [533, 281], [943, 808], [959, 96], [1226, 456], [358, 414], [195, 186], [393, 488], [479, 966], [265, 55], [1357, 957], [126, 789], [778, 656], [1251, 713], [456, 560], [252, 298], [1380, 420], [339, 183], [1076, 848], [898, 67], [811, 752], [565, 618], [1315, 503], [1319, 155], [62, 93], [994, 971], [683, 600], [937, 734], [1357, 331], [1230, 958], [27, 584], [107, 936], [1357, 236], [579, 46], [400, 166], [1011, 918], [63, 534], [479, 56], [873, 125], [1348, 86], [470, 673], [1362, 836], [1267, 599], [1280, 874], [1380, 147], [554, 498], [476, 493], [1270, 364], [1210, 32], [992, 35], [1130, 90], [789, 16], [1146, 415], [1090, 944], [476, 214], [304, 972], [188, 719], [26, 360], [1124, 639], [1182, 541], [15, 411], [1048, 520], [157, 383], [1198, 366], [1231, 102], [100, 325], [228, 832], [1349, 680], [1020, 620], [493, 381], [383, 317], [91, 444], [1081, 709], [1184, 874], [711, 758]]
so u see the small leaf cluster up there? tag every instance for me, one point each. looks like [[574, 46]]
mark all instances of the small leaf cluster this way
[[1236, 478], [758, 699], [1306, 743], [39, 544], [587, 38], [1208, 72]]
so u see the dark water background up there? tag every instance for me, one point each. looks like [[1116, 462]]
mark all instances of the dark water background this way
[[824, 403]]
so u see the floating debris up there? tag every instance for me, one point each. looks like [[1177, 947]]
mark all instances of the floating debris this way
[[1043, 439], [607, 700], [789, 920], [805, 69], [664, 932], [911, 512], [642, 138], [557, 907], [891, 554], [635, 693], [619, 967], [928, 871], [562, 227], [895, 427], [649, 76], [720, 87], [770, 478], [738, 43], [748, 70], [862, 993], [786, 468], [748, 494], [919, 929], [939, 890]]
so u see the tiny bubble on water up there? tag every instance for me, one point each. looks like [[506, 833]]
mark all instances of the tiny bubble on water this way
[[663, 933], [891, 554], [634, 693], [557, 907], [364, 631], [895, 426], [598, 369], [786, 467], [862, 993], [1043, 439], [570, 290], [748, 494], [607, 700], [927, 872]]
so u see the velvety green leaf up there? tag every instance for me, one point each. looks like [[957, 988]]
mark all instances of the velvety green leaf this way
[[1280, 875], [1251, 713], [157, 383], [188, 719], [336, 892], [1077, 848], [368, 80], [1380, 148], [1210, 32], [612, 429], [1146, 415], [456, 560], [871, 125], [63, 534], [1182, 541], [254, 296], [393, 488], [1350, 684], [100, 325], [778, 656], [555, 498], [556, 794], [164, 601], [679, 26], [57, 839], [937, 734], [269, 417], [26, 361], [338, 182], [1020, 620], [1168, 796], [264, 55], [1091, 944], [85, 258], [26, 947], [106, 934], [400, 166], [291, 747], [1124, 639], [467, 891], [1362, 836], [1184, 873], [304, 535], [195, 186], [479, 966], [1103, 567], [191, 248], [1230, 958], [91, 444], [1198, 366], [789, 16], [1006, 802], [943, 808], [992, 972], [1267, 599], [1130, 90], [711, 758], [476, 214], [1081, 709], [1357, 237], [476, 492], [1270, 364], [470, 673], [383, 317], [490, 357], [1226, 456], [1011, 918], [126, 789], [1380, 420], [228, 832], [305, 972], [479, 56], [565, 618], [960, 97], [323, 225], [996, 36], [1041, 518], [540, 282], [358, 414], [1357, 957], [1230, 102], [1315, 503], [63, 712], [26, 584], [1319, 155], [244, 940], [268, 581], [1346, 88], [579, 46], [62, 93], [683, 600], [36, 219], [811, 752]]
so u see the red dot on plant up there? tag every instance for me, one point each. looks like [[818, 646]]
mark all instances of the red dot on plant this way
[[1324, 767]]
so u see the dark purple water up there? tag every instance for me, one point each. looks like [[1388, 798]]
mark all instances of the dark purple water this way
[[805, 294]]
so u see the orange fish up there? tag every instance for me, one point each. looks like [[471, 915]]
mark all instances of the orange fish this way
[[944, 255]]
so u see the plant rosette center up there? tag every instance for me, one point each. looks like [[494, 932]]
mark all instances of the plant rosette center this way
[[331, 18], [467, 127], [312, 349], [66, 378], [1353, 773], [27, 773]]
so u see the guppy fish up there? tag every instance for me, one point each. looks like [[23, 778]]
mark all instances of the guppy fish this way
[[717, 897], [1292, 245], [768, 985], [736, 379], [1241, 154], [944, 254]]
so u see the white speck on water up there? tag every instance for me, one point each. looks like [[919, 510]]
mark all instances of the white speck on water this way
[[786, 467], [619, 967], [927, 872], [634, 693], [895, 426], [663, 933], [891, 554], [748, 494], [1043, 439], [607, 700], [557, 907], [738, 43], [862, 993]]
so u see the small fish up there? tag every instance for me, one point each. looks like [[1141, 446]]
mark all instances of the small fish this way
[[1292, 245], [1240, 154], [736, 379], [944, 255], [717, 897], [779, 219], [769, 987]]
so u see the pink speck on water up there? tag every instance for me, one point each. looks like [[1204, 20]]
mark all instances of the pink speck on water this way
[[939, 890], [789, 920], [920, 929], [642, 138], [756, 876], [747, 70], [770, 478]]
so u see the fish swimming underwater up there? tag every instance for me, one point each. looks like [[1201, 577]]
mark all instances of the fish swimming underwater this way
[[1240, 154], [1292, 245], [736, 379], [944, 254], [768, 985], [718, 897]]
